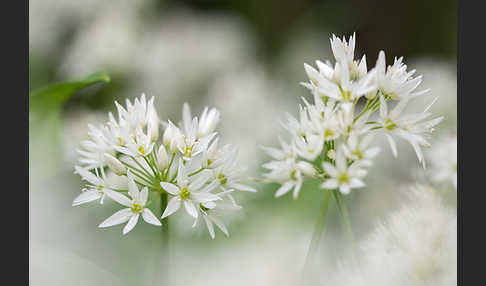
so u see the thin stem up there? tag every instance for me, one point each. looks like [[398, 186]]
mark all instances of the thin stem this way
[[165, 235], [316, 236], [150, 165], [133, 168], [141, 167], [196, 172], [168, 167], [345, 215]]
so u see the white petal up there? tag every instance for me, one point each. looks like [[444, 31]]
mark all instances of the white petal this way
[[209, 224], [170, 188], [205, 197], [131, 223], [393, 145], [220, 225], [297, 190], [356, 183], [120, 216], [173, 205], [133, 189], [144, 196], [330, 169], [330, 184], [285, 188], [119, 198], [86, 197], [345, 189], [199, 181], [242, 187], [383, 107], [149, 217], [190, 208], [273, 152], [209, 205], [88, 176]]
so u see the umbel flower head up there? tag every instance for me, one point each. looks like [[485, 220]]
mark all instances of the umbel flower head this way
[[187, 166], [333, 137]]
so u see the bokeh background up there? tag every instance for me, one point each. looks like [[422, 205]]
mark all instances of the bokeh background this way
[[245, 58]]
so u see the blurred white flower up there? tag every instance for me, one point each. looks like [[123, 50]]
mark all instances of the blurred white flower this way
[[106, 40], [443, 160], [416, 245], [235, 95]]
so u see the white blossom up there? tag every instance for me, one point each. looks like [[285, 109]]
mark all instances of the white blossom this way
[[135, 206], [334, 133], [188, 166]]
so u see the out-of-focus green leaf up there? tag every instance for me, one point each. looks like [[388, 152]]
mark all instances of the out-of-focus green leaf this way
[[45, 124], [54, 95]]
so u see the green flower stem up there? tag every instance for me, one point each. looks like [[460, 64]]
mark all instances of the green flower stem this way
[[319, 228], [165, 236], [143, 169], [196, 172], [150, 165], [145, 181], [140, 172], [345, 215], [166, 174]]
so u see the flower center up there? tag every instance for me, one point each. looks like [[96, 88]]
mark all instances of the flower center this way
[[390, 125], [358, 154], [120, 141], [136, 208], [343, 178], [222, 179], [188, 151], [346, 95], [185, 194], [293, 175], [141, 150], [328, 133]]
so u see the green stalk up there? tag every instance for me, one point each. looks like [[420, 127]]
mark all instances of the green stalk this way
[[165, 236], [345, 216], [316, 236]]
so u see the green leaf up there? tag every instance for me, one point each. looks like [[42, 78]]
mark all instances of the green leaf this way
[[45, 124], [55, 95]]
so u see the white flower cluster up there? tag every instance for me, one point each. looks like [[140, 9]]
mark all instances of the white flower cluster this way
[[332, 139], [188, 166]]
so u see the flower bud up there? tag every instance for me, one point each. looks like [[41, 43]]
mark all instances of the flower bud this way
[[306, 168], [208, 122], [162, 158], [115, 165], [168, 134], [153, 127]]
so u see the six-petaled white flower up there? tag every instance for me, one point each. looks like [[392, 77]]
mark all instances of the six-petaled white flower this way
[[135, 207]]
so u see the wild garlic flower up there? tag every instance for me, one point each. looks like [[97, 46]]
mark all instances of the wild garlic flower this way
[[185, 164], [135, 206], [333, 136]]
